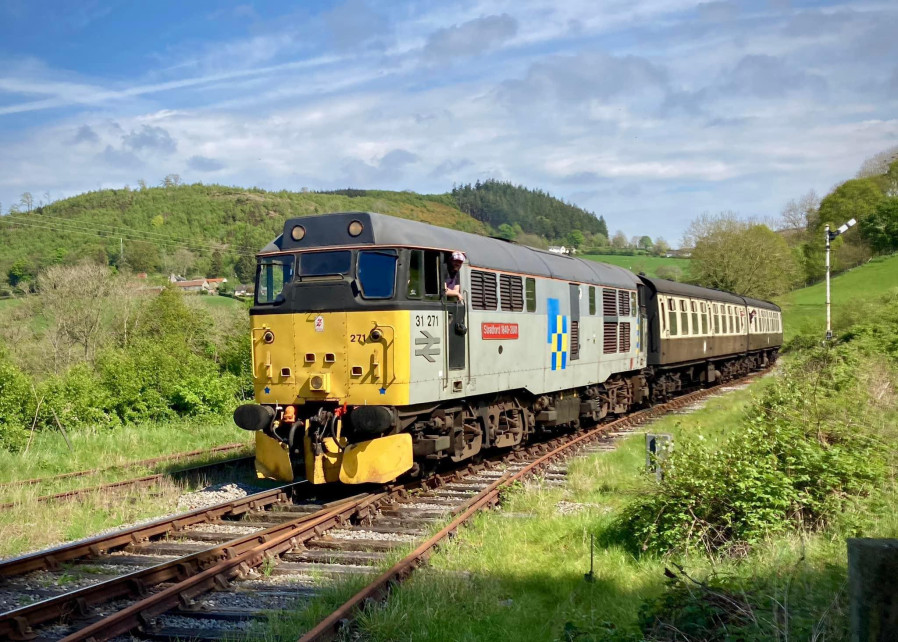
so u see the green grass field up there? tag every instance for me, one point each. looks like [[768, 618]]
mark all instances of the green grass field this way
[[637, 264], [805, 309]]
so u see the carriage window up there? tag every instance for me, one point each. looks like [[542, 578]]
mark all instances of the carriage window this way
[[694, 317], [272, 274], [377, 273], [592, 300], [716, 320], [704, 320], [530, 285], [325, 264], [684, 317], [673, 322], [663, 317]]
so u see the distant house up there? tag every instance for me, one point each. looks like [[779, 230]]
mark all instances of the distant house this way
[[560, 249], [216, 283], [194, 285], [247, 290]]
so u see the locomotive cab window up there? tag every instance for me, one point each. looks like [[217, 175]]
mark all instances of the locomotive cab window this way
[[272, 274], [324, 265], [424, 275], [377, 273]]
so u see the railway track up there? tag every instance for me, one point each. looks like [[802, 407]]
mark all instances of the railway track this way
[[141, 482], [212, 573]]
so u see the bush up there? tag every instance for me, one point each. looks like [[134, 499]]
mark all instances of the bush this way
[[16, 405], [804, 452], [79, 400]]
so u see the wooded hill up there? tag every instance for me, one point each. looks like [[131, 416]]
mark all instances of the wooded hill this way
[[214, 230]]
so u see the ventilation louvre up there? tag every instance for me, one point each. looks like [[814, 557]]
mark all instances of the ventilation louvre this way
[[609, 303], [609, 345]]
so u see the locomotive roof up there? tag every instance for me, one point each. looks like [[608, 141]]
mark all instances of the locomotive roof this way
[[331, 230], [684, 289]]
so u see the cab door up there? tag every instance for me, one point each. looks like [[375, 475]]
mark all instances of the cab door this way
[[456, 328]]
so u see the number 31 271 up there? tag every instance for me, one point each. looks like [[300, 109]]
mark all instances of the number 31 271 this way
[[427, 320]]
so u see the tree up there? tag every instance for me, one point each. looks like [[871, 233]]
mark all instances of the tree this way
[[878, 164], [645, 243], [245, 268], [507, 232], [28, 201], [619, 240], [739, 256], [141, 256], [216, 265], [74, 299], [881, 227], [171, 180], [18, 273], [661, 246], [802, 214], [575, 239], [183, 261]]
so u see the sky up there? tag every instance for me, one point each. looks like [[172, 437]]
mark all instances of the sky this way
[[647, 112]]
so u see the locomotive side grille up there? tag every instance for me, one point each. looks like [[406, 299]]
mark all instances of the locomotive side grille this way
[[575, 340], [624, 337], [483, 290], [609, 345], [609, 303], [624, 298], [511, 289]]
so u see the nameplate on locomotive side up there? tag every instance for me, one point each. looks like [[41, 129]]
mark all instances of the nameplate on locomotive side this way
[[499, 330]]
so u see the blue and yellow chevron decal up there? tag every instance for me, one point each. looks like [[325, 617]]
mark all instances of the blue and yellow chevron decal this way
[[558, 334]]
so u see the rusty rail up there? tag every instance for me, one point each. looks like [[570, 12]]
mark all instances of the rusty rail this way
[[235, 560], [139, 482], [379, 588], [51, 559], [134, 464]]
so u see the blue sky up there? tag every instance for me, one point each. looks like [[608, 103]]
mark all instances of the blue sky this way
[[646, 112]]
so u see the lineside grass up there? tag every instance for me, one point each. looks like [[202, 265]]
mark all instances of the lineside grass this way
[[804, 310], [49, 454], [37, 525]]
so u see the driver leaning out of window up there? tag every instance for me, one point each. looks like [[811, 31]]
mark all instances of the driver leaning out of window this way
[[452, 287]]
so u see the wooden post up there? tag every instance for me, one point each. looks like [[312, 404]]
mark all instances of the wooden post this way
[[873, 589]]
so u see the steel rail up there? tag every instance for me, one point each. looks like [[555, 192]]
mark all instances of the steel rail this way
[[379, 588], [94, 546], [134, 464], [18, 624], [139, 482], [271, 542]]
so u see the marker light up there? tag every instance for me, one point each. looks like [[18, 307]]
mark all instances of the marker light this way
[[298, 232], [355, 228]]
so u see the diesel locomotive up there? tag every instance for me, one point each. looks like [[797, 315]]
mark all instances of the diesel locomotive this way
[[365, 370]]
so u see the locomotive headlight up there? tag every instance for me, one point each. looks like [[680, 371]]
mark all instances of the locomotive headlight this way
[[319, 382], [268, 337]]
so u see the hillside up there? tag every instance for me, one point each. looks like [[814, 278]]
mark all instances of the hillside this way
[[214, 230], [191, 229], [805, 309], [644, 263]]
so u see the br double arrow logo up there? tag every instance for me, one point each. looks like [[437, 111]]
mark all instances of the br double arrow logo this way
[[430, 346]]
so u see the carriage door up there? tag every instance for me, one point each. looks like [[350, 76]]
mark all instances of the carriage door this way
[[575, 321]]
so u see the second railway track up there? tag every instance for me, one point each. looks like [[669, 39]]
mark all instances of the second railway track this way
[[217, 571]]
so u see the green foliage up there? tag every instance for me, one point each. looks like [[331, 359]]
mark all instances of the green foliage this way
[[15, 404], [804, 452], [856, 198], [881, 227], [19, 272], [496, 203]]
